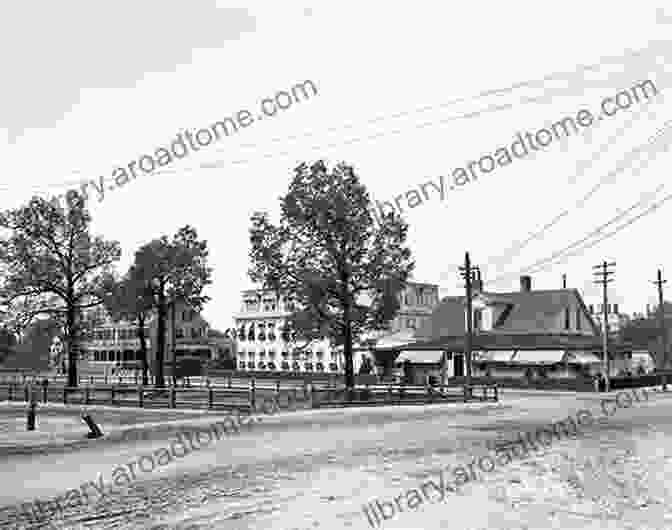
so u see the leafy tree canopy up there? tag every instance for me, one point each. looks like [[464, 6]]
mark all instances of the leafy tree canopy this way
[[329, 258], [53, 265]]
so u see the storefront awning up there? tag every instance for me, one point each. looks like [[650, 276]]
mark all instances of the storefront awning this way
[[420, 357], [502, 356], [583, 357], [538, 356]]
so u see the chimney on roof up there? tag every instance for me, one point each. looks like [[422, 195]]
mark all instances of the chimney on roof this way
[[525, 284]]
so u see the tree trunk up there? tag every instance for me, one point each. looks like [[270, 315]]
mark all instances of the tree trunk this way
[[160, 340], [143, 348], [347, 354], [70, 345]]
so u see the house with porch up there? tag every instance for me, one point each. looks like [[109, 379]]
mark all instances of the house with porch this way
[[528, 333]]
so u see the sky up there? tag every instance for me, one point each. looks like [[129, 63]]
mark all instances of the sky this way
[[407, 93]]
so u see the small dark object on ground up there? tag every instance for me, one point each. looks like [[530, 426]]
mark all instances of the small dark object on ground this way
[[30, 425], [95, 431]]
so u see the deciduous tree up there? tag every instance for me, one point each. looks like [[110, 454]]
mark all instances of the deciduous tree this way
[[131, 299], [328, 257], [175, 270], [54, 266]]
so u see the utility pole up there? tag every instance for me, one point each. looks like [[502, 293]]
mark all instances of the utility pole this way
[[661, 322], [604, 280], [564, 281], [172, 337], [467, 272]]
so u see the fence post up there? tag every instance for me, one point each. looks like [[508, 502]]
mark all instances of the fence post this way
[[65, 395], [11, 387], [172, 397], [106, 377], [91, 379], [25, 393], [141, 396], [45, 382], [211, 396], [465, 392], [229, 382], [496, 393], [86, 395], [305, 389], [253, 392]]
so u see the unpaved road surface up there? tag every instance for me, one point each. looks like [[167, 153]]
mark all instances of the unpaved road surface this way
[[317, 469]]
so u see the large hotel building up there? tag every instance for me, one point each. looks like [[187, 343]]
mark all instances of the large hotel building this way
[[262, 344]]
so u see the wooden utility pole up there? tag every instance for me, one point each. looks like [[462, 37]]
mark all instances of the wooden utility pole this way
[[564, 281], [467, 272], [172, 337], [661, 323], [604, 280]]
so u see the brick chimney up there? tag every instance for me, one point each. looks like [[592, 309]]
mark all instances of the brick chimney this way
[[525, 284]]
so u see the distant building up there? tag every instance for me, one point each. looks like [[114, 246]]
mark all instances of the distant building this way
[[615, 319], [263, 344], [417, 302], [533, 333], [110, 343]]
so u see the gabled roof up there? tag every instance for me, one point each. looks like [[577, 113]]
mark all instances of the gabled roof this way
[[523, 307]]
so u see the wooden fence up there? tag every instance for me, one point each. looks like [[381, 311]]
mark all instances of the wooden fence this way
[[244, 398]]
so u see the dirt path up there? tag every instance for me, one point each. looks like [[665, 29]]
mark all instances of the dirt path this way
[[317, 469]]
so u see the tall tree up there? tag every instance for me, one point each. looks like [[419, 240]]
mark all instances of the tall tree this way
[[54, 265], [175, 271], [131, 299], [328, 258]]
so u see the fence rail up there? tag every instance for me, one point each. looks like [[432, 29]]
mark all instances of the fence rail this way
[[244, 397]]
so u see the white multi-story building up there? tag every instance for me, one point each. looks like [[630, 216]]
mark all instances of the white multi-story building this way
[[416, 305], [110, 342], [264, 345]]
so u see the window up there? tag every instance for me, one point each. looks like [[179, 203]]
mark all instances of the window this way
[[615, 308], [478, 319]]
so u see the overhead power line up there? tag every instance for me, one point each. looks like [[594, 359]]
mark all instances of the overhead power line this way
[[518, 246], [660, 134], [646, 212], [652, 48]]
